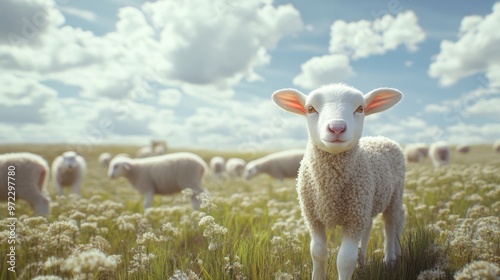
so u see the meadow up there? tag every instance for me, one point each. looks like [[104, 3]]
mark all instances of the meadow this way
[[250, 229]]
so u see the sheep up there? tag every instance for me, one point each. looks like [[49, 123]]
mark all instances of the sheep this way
[[122, 155], [30, 173], [69, 170], [235, 166], [496, 146], [439, 152], [166, 174], [416, 153], [463, 148], [217, 166], [280, 165], [159, 147], [345, 179], [104, 159], [143, 152]]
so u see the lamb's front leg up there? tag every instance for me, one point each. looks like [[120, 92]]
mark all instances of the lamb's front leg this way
[[76, 188], [347, 257], [319, 252], [148, 199]]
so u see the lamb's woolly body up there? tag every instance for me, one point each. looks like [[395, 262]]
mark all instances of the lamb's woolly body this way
[[416, 153], [217, 165], [69, 177], [440, 154], [104, 159], [350, 188], [235, 166], [463, 148], [166, 174], [31, 177], [279, 165], [496, 146]]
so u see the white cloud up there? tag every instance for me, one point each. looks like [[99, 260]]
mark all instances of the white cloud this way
[[475, 51], [364, 38], [360, 39], [81, 13], [323, 70], [436, 109]]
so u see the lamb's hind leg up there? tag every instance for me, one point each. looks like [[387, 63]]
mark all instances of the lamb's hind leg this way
[[319, 252], [394, 220], [364, 241]]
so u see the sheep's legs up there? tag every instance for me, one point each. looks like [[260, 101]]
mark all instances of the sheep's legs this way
[[319, 252], [148, 199], [393, 221], [364, 241], [347, 257], [195, 201], [76, 188]]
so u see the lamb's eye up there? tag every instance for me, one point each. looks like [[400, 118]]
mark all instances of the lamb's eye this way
[[360, 109], [311, 110]]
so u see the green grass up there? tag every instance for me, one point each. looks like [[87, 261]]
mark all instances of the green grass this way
[[256, 230]]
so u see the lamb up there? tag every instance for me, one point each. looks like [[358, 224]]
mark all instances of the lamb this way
[[416, 153], [440, 154], [463, 148], [104, 159], [280, 165], [235, 166], [217, 166], [345, 180], [69, 170], [166, 174], [143, 152], [30, 173], [159, 147], [496, 146]]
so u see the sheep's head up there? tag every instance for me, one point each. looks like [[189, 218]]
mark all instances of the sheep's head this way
[[250, 171], [69, 160], [335, 113], [118, 167]]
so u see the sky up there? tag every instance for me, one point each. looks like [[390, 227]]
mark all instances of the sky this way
[[200, 74]]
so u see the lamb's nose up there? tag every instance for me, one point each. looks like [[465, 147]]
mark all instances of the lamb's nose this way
[[337, 126]]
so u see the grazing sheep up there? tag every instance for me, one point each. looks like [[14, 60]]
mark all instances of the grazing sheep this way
[[345, 180], [280, 165], [30, 174], [159, 150], [463, 148], [416, 153], [235, 166], [143, 152], [440, 154], [217, 166], [165, 174], [159, 147], [69, 170], [496, 146], [122, 155], [104, 159]]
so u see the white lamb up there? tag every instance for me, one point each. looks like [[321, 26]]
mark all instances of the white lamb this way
[[345, 180], [143, 152], [235, 167], [416, 153], [463, 148], [159, 147], [496, 146], [69, 170], [165, 174], [440, 154], [217, 166], [29, 173], [280, 165], [104, 159]]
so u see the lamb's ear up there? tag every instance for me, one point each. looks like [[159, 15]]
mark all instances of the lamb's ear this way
[[290, 100], [127, 166], [381, 99]]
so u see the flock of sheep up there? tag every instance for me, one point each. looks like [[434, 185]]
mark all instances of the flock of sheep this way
[[343, 179]]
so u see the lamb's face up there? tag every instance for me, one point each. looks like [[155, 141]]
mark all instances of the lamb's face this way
[[335, 113], [118, 169], [335, 118], [250, 171], [69, 160]]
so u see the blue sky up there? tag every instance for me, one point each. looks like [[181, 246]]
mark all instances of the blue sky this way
[[199, 74]]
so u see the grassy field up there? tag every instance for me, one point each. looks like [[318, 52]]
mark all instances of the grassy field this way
[[250, 230]]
